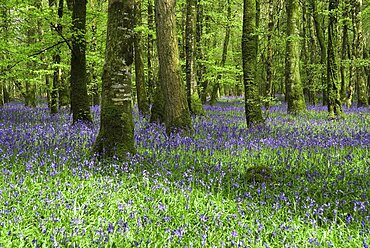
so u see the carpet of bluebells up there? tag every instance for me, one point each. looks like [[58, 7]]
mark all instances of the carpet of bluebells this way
[[180, 191]]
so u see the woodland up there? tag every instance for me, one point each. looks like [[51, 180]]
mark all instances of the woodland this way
[[184, 123]]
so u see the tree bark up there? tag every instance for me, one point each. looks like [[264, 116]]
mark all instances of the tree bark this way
[[142, 98], [79, 99], [116, 134], [333, 84], [249, 57], [294, 91], [177, 115]]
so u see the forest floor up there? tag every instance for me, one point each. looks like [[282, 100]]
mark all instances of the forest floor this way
[[187, 191]]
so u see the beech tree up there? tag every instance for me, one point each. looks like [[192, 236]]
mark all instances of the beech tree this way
[[116, 134], [249, 53], [176, 111]]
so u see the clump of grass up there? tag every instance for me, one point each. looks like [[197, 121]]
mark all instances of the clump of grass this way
[[259, 174]]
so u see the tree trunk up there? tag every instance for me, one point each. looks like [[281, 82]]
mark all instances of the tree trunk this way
[[177, 115], [56, 60], [199, 51], [249, 56], [269, 60], [189, 50], [312, 84], [30, 94], [323, 50], [333, 84], [93, 77], [150, 46], [204, 82], [344, 51], [142, 98], [216, 86], [116, 134], [294, 91], [79, 99], [359, 76], [4, 34]]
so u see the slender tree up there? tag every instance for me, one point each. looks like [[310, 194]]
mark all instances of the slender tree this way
[[116, 134], [345, 49], [93, 75], [176, 111], [56, 59], [4, 34], [294, 90], [269, 60], [333, 84], [323, 50], [216, 86], [150, 52], [189, 50], [30, 89], [80, 104], [249, 54], [142, 98]]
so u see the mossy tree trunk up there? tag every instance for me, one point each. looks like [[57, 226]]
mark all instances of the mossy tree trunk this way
[[199, 50], [116, 134], [269, 60], [359, 76], [333, 84], [80, 104], [142, 98], [177, 115], [323, 50], [249, 55], [293, 84], [345, 51]]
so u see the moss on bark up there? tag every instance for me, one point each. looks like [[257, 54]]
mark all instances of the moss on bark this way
[[116, 134]]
